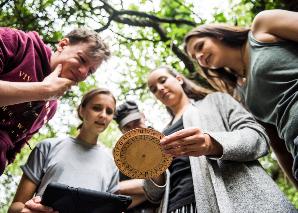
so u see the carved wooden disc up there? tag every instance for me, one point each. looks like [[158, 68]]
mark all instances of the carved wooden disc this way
[[138, 154]]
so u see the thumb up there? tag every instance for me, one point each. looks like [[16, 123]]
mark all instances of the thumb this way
[[37, 199], [57, 70]]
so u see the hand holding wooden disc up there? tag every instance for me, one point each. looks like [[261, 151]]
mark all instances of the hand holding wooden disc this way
[[138, 154]]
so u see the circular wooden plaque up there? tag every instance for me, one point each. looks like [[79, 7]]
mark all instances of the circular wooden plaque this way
[[138, 154]]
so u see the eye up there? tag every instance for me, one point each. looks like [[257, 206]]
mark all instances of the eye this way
[[199, 46], [97, 108], [110, 111], [91, 71], [152, 89], [82, 59], [162, 80]]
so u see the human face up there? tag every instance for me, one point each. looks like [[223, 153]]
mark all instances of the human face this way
[[207, 51], [98, 113], [77, 65], [139, 123], [166, 87]]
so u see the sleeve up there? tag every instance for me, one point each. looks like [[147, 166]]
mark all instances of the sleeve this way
[[8, 45], [114, 185], [154, 192], [245, 139], [34, 168]]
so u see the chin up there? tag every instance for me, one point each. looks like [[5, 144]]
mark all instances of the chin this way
[[100, 129]]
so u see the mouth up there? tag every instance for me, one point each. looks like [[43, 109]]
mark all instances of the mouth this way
[[207, 60], [100, 123], [165, 95], [74, 76]]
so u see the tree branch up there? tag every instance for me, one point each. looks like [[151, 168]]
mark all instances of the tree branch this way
[[136, 39], [4, 3], [155, 18], [141, 19]]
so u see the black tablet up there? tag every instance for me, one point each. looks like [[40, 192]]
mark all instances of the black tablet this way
[[66, 199]]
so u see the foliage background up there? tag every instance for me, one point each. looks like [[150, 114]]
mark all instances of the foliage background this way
[[143, 35]]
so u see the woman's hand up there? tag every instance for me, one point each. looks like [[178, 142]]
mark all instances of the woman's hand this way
[[190, 142], [34, 206]]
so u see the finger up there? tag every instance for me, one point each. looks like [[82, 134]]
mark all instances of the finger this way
[[72, 83], [58, 69], [176, 151], [194, 148], [184, 151], [25, 210], [37, 199], [180, 135], [67, 83], [30, 204], [193, 140], [171, 145], [195, 154]]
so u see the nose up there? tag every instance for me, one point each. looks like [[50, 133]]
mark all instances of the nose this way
[[200, 58], [159, 87], [103, 114], [84, 71]]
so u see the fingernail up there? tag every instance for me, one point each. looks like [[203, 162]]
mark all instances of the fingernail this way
[[163, 140]]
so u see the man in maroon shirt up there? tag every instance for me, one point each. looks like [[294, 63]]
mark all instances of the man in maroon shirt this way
[[32, 78]]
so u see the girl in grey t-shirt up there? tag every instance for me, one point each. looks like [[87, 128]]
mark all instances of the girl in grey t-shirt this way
[[77, 162]]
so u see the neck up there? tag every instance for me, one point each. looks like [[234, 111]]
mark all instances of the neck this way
[[53, 61], [239, 61], [179, 109], [87, 137]]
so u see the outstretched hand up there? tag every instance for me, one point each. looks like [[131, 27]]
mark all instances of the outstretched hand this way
[[190, 142], [56, 85], [34, 206]]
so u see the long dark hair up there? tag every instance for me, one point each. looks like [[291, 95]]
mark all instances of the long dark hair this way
[[192, 90], [88, 97], [221, 79]]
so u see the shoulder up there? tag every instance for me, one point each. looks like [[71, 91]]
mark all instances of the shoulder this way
[[220, 101], [52, 142], [262, 25], [107, 156], [11, 33], [217, 97], [14, 39], [106, 151]]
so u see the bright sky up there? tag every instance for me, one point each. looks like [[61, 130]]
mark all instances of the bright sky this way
[[206, 8]]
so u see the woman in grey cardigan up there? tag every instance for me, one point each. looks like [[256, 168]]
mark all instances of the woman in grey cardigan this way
[[215, 143]]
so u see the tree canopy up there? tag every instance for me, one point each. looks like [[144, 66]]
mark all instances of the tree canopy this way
[[143, 34]]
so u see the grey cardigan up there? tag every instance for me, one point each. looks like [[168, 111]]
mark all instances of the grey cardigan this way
[[235, 182]]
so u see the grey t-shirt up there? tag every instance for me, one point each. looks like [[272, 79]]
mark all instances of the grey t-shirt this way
[[72, 162], [271, 92]]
